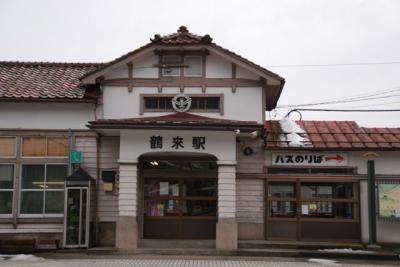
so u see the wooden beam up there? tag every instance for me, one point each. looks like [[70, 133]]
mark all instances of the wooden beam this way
[[234, 77], [186, 82]]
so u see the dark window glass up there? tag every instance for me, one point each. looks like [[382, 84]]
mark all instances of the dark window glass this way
[[343, 190], [56, 175], [212, 103], [6, 176], [33, 177], [6, 200], [199, 165], [151, 102], [282, 189], [283, 209], [200, 188], [54, 202], [32, 202], [199, 208], [165, 103]]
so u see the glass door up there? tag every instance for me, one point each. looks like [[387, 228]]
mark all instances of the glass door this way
[[76, 219]]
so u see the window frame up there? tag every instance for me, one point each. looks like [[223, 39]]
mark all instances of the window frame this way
[[10, 215], [43, 214], [15, 148], [179, 68], [143, 108], [46, 148]]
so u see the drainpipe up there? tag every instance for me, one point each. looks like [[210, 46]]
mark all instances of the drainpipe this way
[[96, 194]]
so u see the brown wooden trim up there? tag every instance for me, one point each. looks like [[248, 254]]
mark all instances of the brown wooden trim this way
[[168, 197], [211, 218], [316, 178], [234, 77], [328, 220], [203, 72], [40, 220], [185, 82]]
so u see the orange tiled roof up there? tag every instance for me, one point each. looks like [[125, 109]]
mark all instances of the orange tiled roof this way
[[335, 135]]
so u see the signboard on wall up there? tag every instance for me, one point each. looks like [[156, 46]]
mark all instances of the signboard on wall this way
[[310, 159], [389, 200]]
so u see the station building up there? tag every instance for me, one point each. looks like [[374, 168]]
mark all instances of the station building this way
[[170, 141]]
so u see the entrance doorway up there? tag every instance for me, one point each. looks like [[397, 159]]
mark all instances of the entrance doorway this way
[[312, 210], [179, 197]]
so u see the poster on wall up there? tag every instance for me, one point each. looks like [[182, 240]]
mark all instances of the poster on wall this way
[[389, 200]]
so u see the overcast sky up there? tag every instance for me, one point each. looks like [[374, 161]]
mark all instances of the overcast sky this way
[[270, 33]]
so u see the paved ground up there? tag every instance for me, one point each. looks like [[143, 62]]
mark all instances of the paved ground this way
[[162, 261]]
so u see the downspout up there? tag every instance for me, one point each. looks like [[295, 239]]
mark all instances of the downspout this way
[[96, 195]]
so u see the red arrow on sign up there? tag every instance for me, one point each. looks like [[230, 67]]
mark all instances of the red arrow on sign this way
[[337, 158]]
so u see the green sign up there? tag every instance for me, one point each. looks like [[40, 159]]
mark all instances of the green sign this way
[[75, 157]]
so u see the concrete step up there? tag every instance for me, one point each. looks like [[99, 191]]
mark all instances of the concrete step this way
[[162, 243], [266, 244]]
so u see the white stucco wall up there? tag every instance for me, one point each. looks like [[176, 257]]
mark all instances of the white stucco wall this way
[[45, 115], [387, 163], [134, 143], [245, 104], [216, 67]]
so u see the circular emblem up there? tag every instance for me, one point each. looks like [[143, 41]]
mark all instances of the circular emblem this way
[[181, 103]]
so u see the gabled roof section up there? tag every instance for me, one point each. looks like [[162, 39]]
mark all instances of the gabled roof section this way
[[44, 81], [183, 37], [184, 120], [330, 135]]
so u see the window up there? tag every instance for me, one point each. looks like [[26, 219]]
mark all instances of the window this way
[[180, 197], [193, 66], [327, 200], [7, 147], [282, 201], [315, 200], [199, 103], [44, 147], [42, 189], [6, 188], [171, 65]]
